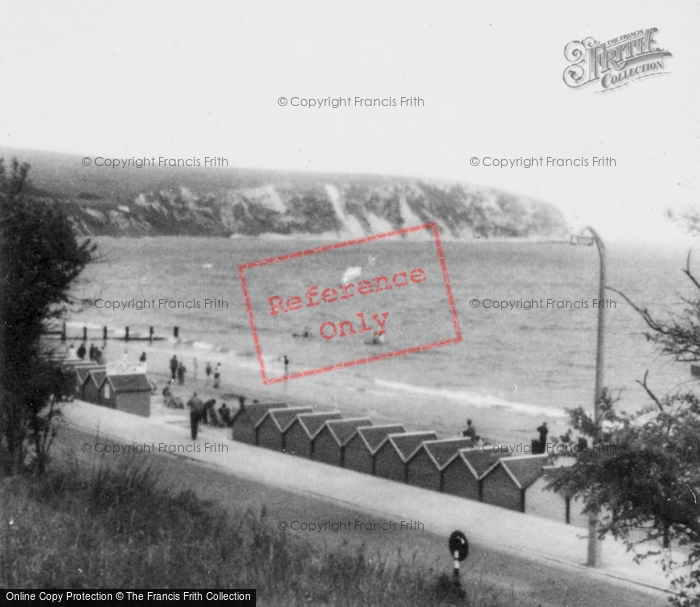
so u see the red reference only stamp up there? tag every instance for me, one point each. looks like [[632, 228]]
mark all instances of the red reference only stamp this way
[[350, 303]]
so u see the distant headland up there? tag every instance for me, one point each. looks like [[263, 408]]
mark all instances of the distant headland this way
[[225, 202]]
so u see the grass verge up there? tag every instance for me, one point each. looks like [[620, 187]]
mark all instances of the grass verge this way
[[111, 527]]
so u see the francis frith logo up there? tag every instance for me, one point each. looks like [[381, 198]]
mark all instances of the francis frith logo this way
[[615, 63]]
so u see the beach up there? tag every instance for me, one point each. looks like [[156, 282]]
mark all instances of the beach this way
[[515, 367], [495, 424]]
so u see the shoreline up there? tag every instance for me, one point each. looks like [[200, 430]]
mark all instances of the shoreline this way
[[414, 407]]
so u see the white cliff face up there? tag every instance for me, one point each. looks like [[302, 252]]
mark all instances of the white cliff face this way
[[230, 202], [351, 225], [327, 210], [266, 196]]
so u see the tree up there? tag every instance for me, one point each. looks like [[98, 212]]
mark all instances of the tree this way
[[644, 468], [40, 258]]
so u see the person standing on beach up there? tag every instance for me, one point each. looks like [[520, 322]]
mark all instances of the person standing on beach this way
[[543, 430], [208, 370], [217, 375], [81, 351], [286, 364], [181, 370], [196, 408], [173, 367], [470, 431], [195, 369]]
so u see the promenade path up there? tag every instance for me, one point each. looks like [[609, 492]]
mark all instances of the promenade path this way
[[525, 537]]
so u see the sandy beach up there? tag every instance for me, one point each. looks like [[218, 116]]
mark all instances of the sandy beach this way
[[241, 376]]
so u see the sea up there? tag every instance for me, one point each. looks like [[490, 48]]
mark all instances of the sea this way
[[527, 312]]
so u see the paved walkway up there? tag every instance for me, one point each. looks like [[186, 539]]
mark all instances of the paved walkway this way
[[526, 536]]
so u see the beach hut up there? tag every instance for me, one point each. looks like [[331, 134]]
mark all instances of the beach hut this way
[[299, 438], [461, 476], [360, 449], [390, 459], [330, 442], [275, 423], [80, 374], [246, 419], [506, 482], [129, 393], [549, 504], [424, 468], [91, 384]]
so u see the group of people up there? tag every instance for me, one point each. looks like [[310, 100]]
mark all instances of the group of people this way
[[178, 371], [539, 446], [95, 354], [206, 413]]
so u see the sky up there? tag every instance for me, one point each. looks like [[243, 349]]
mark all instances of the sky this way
[[198, 79]]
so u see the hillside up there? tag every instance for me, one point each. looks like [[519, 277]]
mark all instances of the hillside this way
[[227, 201]]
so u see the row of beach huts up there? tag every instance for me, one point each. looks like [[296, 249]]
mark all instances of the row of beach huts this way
[[452, 465], [114, 387]]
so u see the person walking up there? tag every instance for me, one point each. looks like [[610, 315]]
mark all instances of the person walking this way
[[81, 351], [173, 367], [196, 408]]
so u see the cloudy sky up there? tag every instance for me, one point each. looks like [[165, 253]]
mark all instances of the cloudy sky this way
[[202, 79]]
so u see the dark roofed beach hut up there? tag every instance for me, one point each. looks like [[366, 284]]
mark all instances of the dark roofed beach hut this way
[[299, 438], [390, 459], [92, 383], [80, 374], [462, 475], [130, 393], [245, 421], [273, 426], [360, 449], [506, 482], [329, 446], [424, 468]]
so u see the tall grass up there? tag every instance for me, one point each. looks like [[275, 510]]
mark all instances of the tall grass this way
[[114, 528]]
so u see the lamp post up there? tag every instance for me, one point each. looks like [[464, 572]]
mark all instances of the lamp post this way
[[593, 543]]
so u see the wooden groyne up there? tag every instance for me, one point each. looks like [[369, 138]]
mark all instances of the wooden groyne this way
[[127, 336]]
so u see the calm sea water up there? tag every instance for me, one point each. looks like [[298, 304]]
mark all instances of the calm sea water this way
[[524, 364]]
